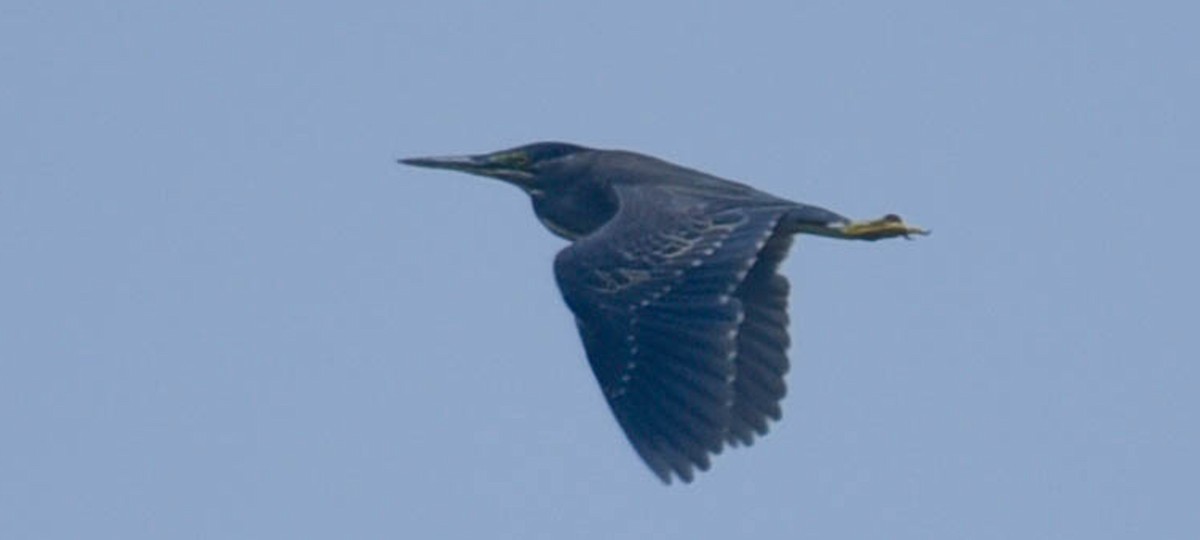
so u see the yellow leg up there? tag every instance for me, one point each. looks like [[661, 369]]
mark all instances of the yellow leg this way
[[889, 226]]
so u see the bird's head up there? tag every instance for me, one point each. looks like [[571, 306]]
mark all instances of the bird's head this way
[[529, 167]]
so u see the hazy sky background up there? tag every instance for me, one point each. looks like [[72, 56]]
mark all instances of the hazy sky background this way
[[225, 312]]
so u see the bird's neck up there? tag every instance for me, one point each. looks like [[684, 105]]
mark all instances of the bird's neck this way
[[575, 213]]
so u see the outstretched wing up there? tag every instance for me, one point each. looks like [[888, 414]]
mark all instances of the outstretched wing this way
[[684, 320]]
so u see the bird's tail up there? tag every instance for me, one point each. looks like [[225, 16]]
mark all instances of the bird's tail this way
[[804, 218]]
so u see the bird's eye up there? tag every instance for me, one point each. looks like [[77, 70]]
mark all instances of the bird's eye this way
[[516, 159]]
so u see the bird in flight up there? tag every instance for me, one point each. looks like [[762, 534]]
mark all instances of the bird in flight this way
[[673, 277]]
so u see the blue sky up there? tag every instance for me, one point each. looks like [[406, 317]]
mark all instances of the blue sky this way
[[225, 312]]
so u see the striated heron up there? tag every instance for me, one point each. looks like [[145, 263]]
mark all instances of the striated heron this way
[[672, 275]]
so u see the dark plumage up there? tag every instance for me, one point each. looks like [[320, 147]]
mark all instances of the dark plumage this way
[[672, 275]]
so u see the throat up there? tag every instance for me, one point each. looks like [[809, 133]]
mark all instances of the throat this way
[[572, 214], [558, 229]]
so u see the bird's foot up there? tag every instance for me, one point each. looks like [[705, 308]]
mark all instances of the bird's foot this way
[[889, 226]]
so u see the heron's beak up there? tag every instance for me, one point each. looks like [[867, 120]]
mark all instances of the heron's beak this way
[[454, 163], [482, 165]]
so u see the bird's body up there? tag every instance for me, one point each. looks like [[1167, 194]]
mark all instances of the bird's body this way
[[672, 276], [578, 208]]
